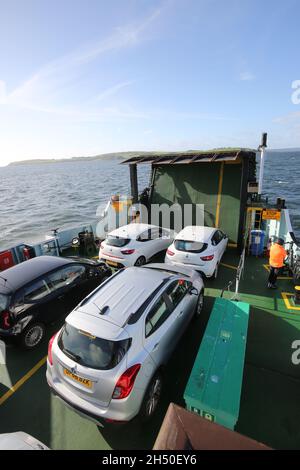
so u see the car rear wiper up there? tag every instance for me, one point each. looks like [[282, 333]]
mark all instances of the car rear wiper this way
[[72, 355]]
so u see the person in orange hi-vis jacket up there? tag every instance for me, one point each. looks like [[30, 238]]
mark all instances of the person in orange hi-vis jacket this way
[[276, 261]]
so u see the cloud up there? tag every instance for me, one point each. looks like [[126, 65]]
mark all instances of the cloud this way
[[246, 76], [288, 118], [44, 87], [113, 90]]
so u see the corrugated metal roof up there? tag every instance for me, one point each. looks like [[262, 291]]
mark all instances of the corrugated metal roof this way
[[173, 158]]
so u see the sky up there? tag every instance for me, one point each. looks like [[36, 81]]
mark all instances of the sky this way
[[85, 77]]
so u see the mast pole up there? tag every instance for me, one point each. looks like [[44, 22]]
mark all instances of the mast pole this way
[[262, 148]]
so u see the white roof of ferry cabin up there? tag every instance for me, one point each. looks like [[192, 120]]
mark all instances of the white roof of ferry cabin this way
[[196, 233], [132, 230]]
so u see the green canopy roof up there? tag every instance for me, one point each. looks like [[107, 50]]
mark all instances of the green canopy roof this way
[[191, 156]]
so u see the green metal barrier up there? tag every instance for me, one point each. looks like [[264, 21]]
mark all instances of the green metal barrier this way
[[214, 386]]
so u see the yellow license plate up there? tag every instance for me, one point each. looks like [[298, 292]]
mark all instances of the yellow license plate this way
[[112, 263], [87, 383]]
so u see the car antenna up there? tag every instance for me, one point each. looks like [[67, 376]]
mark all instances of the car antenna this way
[[103, 310]]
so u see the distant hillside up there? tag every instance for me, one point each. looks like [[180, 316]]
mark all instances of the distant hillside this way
[[121, 156], [105, 156], [292, 150]]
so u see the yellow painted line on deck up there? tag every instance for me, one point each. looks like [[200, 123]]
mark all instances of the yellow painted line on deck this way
[[232, 245], [228, 266], [219, 194], [21, 382], [285, 296], [267, 267]]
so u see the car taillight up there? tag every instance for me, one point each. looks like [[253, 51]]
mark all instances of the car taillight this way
[[170, 252], [127, 252], [6, 320], [50, 358], [207, 258], [126, 382]]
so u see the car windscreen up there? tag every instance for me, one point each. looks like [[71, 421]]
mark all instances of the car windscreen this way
[[4, 301], [91, 351], [116, 241], [190, 246]]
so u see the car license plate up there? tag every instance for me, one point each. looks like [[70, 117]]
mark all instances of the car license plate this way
[[111, 263], [87, 383]]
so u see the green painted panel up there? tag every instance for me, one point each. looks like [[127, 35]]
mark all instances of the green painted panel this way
[[199, 184], [188, 184], [230, 201], [214, 386]]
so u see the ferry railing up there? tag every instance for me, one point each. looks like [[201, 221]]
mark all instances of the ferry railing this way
[[293, 259], [238, 277]]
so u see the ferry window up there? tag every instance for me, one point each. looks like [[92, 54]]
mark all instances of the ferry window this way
[[117, 241], [190, 246], [65, 276], [36, 291], [177, 290], [157, 316]]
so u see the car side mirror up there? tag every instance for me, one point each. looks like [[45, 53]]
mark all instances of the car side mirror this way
[[193, 291]]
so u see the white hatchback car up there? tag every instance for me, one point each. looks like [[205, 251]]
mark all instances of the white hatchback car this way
[[106, 362], [134, 244], [198, 247]]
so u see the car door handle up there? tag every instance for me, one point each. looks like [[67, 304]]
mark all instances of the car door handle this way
[[60, 297], [155, 346], [180, 314]]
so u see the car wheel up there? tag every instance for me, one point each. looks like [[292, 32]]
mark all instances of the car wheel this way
[[200, 303], [151, 398], [215, 274], [32, 335], [140, 261]]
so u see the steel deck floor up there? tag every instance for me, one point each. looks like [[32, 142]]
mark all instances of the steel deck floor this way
[[270, 410]]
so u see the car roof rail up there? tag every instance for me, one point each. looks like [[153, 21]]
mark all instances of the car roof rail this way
[[134, 317], [86, 299]]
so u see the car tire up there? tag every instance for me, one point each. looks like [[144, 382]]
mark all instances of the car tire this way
[[32, 335], [140, 261], [152, 398], [199, 305], [215, 274]]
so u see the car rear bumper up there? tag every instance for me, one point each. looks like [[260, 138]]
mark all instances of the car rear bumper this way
[[116, 411], [11, 333], [207, 269], [114, 262], [84, 413]]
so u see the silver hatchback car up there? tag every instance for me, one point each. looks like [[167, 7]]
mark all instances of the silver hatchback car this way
[[106, 362]]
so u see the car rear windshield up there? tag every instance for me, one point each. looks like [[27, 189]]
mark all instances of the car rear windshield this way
[[190, 246], [91, 351], [116, 241], [4, 301]]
